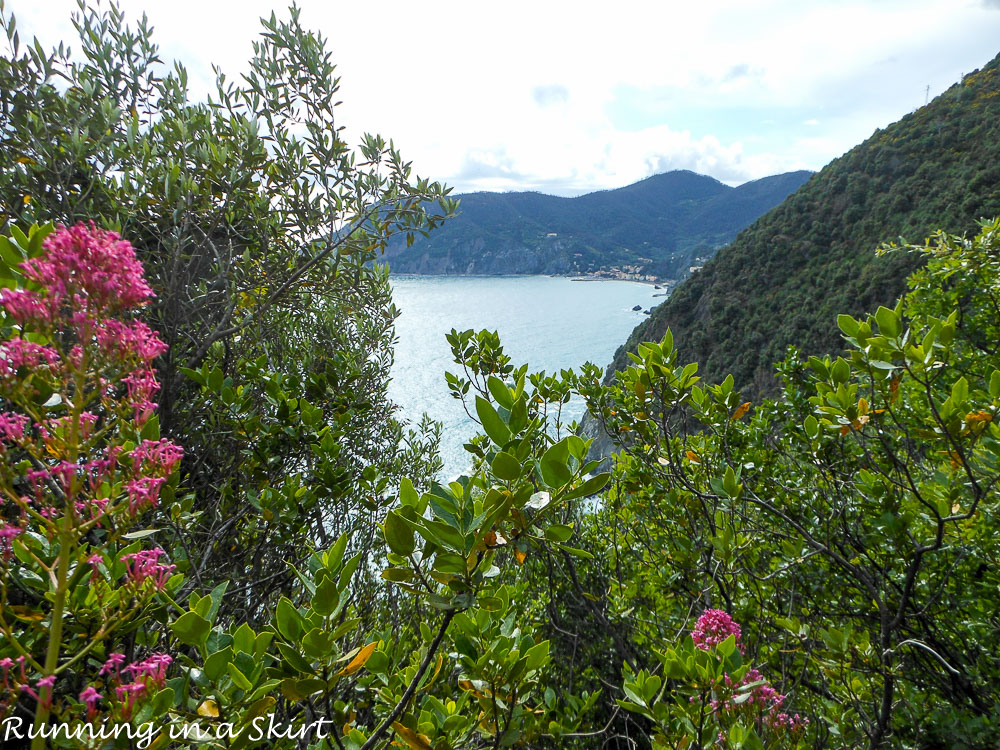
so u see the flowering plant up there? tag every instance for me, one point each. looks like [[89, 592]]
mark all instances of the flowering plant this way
[[81, 464], [707, 696]]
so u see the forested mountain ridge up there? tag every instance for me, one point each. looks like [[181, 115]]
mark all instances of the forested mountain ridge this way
[[659, 226], [786, 277]]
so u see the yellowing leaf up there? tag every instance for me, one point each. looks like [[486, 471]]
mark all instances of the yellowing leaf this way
[[412, 739], [862, 406], [27, 614], [519, 556], [692, 457], [358, 661], [741, 410], [209, 708]]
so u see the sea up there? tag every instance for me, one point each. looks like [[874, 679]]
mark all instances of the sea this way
[[552, 323]]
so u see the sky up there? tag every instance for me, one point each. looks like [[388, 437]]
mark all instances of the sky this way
[[571, 97]]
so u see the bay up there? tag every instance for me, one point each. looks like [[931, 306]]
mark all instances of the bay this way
[[552, 323]]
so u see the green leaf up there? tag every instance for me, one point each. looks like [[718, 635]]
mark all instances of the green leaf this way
[[326, 598], [289, 621], [317, 643], [215, 664], [506, 467], [191, 629], [500, 392], [335, 555], [294, 659], [141, 534], [151, 430], [559, 533], [239, 679], [960, 392], [398, 535], [888, 322], [591, 487], [498, 432], [243, 639], [490, 603], [555, 465], [848, 325], [162, 702]]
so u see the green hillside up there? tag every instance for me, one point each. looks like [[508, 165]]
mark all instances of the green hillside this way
[[659, 226], [787, 276]]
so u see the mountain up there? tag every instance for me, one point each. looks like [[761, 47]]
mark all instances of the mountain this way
[[660, 226], [786, 277]]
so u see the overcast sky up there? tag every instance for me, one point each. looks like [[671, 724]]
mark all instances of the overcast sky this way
[[571, 97]]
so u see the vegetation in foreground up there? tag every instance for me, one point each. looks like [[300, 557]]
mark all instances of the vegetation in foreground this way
[[212, 525]]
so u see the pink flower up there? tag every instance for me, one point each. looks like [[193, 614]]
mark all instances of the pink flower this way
[[143, 492], [90, 697], [17, 353], [144, 565], [12, 427], [113, 665], [25, 306], [45, 682], [153, 669], [91, 267], [141, 386], [129, 341], [5, 665], [128, 696], [160, 456], [7, 536], [95, 572], [713, 627]]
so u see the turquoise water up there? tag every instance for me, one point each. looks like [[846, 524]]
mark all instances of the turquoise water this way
[[550, 322]]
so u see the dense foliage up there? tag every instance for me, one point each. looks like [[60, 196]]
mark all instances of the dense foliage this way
[[800, 265], [278, 568], [661, 226], [255, 221]]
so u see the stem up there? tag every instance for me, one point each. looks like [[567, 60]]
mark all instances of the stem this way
[[55, 634], [411, 688]]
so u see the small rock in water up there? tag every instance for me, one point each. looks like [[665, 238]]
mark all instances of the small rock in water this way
[[637, 308], [657, 286]]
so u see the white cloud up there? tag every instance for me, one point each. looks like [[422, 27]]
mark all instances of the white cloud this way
[[518, 95]]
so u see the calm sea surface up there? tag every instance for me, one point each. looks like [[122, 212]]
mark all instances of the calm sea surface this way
[[549, 322]]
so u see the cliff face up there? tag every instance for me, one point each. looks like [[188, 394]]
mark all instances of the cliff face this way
[[785, 278], [658, 227]]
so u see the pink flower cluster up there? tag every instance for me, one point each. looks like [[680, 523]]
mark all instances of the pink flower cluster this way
[[7, 536], [144, 565], [146, 675], [125, 340], [12, 427], [764, 702], [157, 456], [143, 493], [17, 354], [90, 268], [16, 681], [713, 627]]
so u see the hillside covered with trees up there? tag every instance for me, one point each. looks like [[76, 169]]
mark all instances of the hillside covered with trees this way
[[788, 275], [214, 533], [660, 227]]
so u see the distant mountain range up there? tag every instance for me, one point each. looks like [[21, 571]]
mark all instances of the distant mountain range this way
[[660, 226], [785, 278]]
